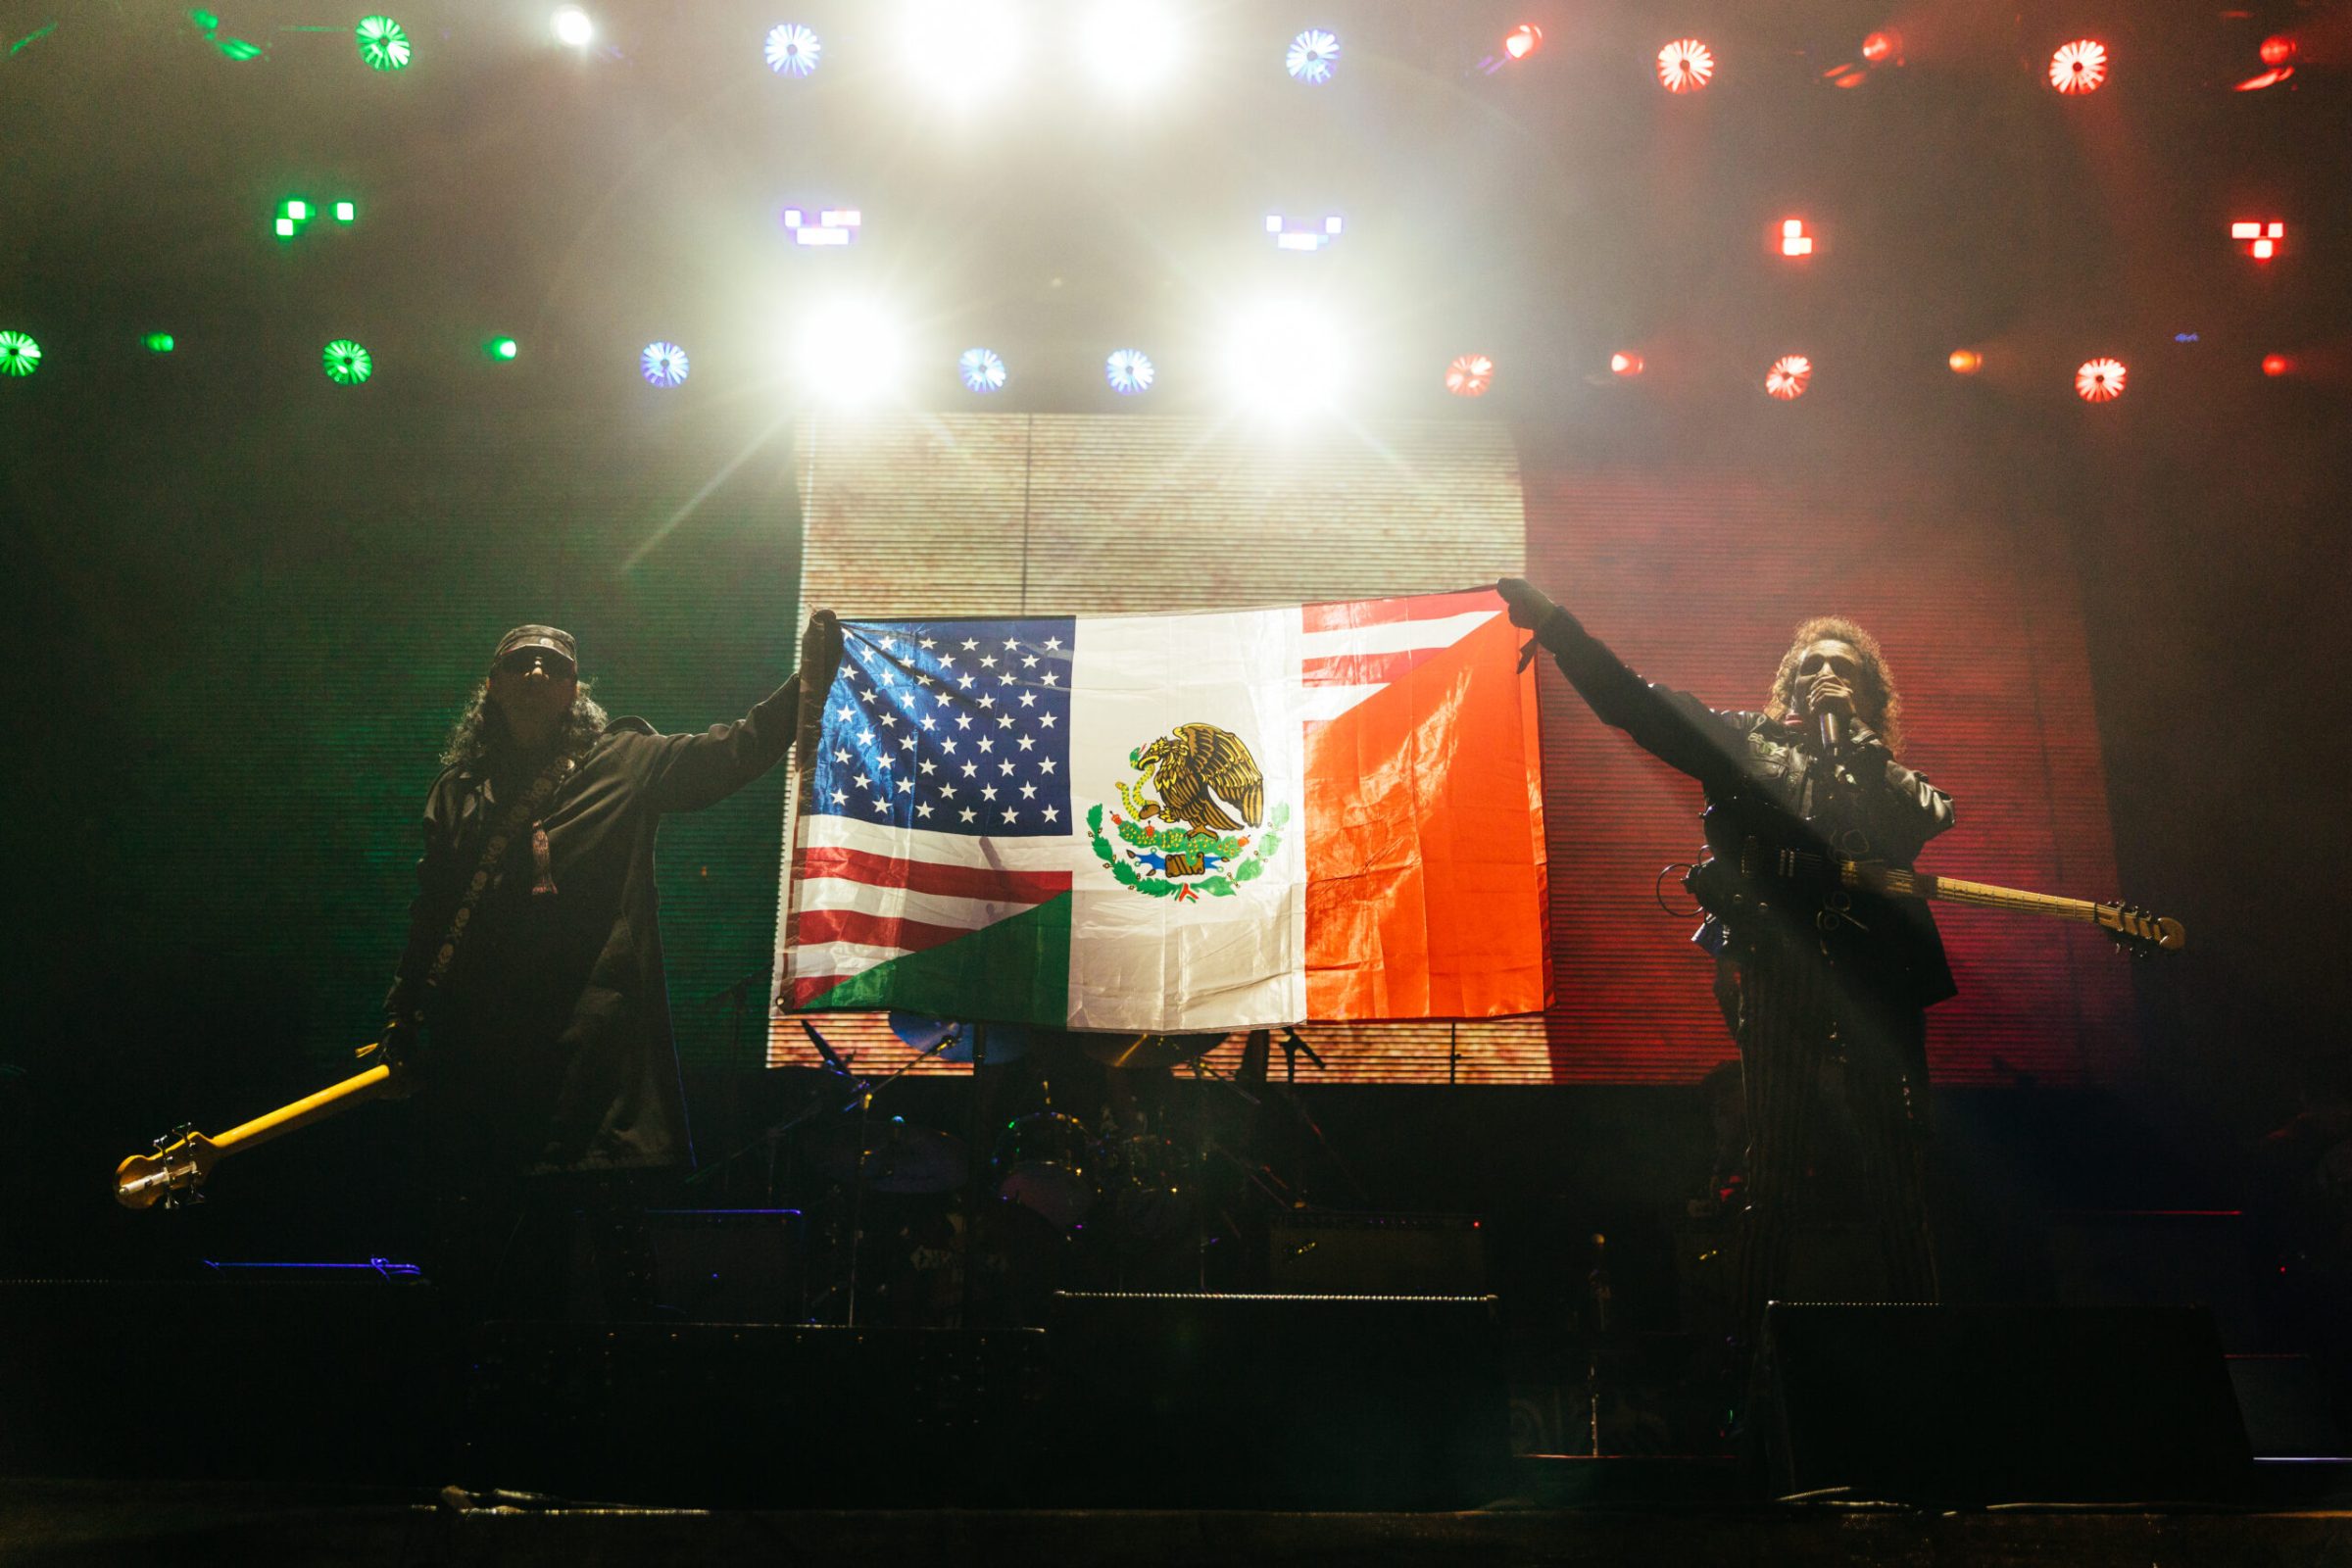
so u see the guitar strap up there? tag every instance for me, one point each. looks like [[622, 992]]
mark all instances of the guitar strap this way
[[523, 812]]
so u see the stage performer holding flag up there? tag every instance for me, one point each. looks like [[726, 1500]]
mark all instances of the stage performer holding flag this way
[[529, 1007], [1817, 983]]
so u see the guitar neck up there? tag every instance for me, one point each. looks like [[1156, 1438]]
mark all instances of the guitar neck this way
[[1952, 890], [302, 1112]]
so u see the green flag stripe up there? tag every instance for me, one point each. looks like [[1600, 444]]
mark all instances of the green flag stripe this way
[[1015, 971]]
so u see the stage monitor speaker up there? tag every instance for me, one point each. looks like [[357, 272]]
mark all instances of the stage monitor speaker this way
[[1388, 1254], [1988, 1404], [1277, 1401], [754, 1416]]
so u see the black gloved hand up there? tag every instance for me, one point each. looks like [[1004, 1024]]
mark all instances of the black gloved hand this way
[[1529, 606], [820, 654], [397, 1047]]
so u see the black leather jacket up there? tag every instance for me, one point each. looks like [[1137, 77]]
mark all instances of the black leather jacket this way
[[1871, 807]]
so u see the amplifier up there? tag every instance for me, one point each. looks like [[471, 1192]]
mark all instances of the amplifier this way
[[1400, 1255]]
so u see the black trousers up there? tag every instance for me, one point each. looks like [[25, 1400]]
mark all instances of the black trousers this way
[[1813, 1050]]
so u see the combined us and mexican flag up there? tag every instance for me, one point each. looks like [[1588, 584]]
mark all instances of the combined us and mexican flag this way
[[1218, 821]]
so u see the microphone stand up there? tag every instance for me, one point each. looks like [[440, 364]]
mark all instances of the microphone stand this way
[[1303, 1122]]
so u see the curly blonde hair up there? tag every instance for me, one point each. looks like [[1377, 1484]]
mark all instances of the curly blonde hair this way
[[1875, 700]]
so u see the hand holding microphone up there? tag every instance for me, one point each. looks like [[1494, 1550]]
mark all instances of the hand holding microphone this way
[[1830, 699]]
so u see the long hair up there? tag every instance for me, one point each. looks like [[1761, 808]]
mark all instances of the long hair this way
[[1875, 700], [482, 729]]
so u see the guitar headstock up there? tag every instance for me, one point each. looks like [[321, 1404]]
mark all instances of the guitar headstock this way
[[170, 1175], [2140, 931]]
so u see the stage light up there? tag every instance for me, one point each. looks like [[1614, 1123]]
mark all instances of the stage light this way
[[1789, 376], [663, 364], [848, 354], [2277, 365], [573, 28], [2261, 239], [792, 49], [2101, 381], [382, 45], [501, 348], [2079, 67], [284, 227], [1128, 47], [299, 210], [1523, 40], [1794, 241], [960, 53], [1311, 234], [1284, 358], [1624, 363], [347, 364], [344, 211], [1310, 56], [2278, 49], [19, 355], [1129, 371], [1965, 362], [1884, 46], [1469, 375], [982, 371], [828, 226], [158, 342], [1685, 66]]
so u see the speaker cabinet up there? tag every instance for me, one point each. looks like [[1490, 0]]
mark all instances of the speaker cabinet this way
[[1982, 1405], [1277, 1401]]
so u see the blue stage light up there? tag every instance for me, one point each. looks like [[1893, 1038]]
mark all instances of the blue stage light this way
[[1310, 56], [982, 370], [664, 363], [1129, 371], [792, 49]]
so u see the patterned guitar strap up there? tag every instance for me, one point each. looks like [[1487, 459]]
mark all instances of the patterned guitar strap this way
[[523, 812]]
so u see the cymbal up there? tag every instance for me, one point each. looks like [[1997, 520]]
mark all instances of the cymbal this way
[[898, 1157], [1147, 1050], [1005, 1041]]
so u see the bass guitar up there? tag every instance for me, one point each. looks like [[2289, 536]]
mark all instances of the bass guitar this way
[[184, 1158], [1742, 868]]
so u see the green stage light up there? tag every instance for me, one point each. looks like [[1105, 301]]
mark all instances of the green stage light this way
[[159, 343], [348, 363], [344, 211], [502, 348], [285, 228], [19, 355], [383, 44], [299, 210]]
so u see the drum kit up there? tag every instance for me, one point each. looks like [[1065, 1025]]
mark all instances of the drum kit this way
[[926, 1234]]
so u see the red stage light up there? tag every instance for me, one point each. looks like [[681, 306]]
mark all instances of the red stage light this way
[[1881, 47], [1624, 364], [1469, 375], [1794, 241], [2277, 365], [1523, 40], [1685, 66], [1788, 376], [2101, 381], [2261, 238], [1966, 362], [2079, 67], [2278, 49]]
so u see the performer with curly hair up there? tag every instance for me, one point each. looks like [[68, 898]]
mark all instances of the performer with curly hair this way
[[1824, 989], [529, 1009]]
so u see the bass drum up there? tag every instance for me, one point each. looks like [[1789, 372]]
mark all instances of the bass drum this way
[[1044, 1163]]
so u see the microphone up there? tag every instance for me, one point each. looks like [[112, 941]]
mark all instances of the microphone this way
[[824, 1048], [1830, 729]]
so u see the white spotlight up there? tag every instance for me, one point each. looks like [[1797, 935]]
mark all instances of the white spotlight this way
[[961, 52], [849, 354], [573, 28], [1286, 358], [1128, 48]]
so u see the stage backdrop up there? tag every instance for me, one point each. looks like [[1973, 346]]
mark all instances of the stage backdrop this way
[[1695, 577]]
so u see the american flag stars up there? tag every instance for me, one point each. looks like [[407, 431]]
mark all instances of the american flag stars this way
[[900, 747]]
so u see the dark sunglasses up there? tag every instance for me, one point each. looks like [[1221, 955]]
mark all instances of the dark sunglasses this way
[[520, 660]]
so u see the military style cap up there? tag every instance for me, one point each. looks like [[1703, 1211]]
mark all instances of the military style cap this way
[[547, 637]]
